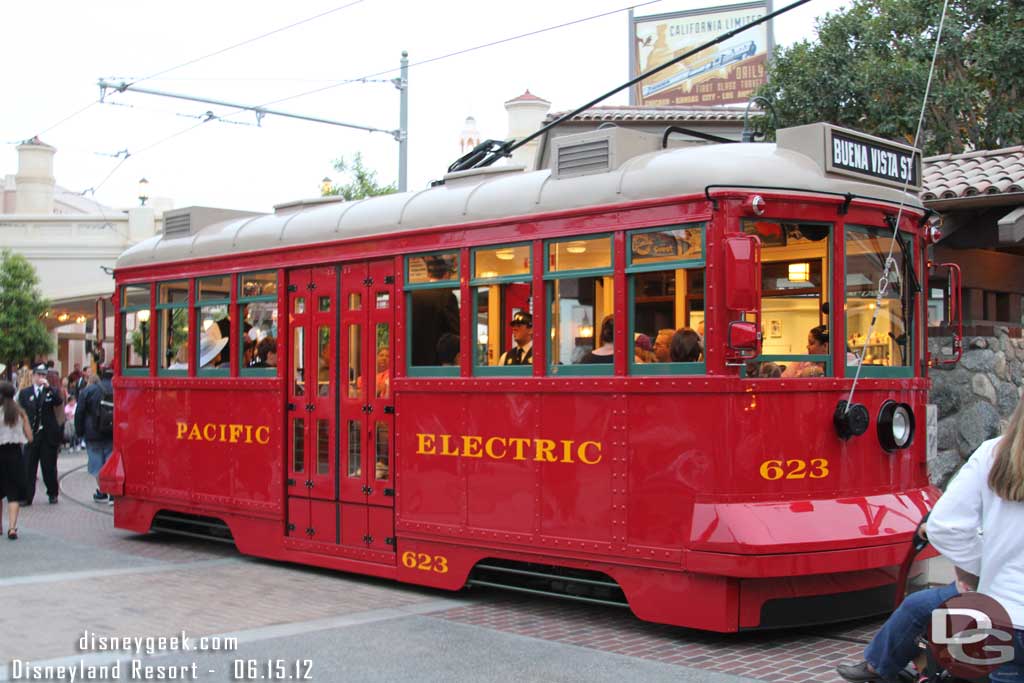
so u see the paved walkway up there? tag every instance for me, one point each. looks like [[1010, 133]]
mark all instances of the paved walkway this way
[[72, 572]]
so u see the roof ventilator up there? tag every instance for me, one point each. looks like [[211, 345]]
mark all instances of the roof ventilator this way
[[599, 151]]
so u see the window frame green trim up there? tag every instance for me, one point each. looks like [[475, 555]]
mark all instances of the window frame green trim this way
[[830, 297], [161, 371], [454, 283], [664, 265], [579, 272], [577, 369], [882, 371], [124, 311], [501, 279], [645, 369], [425, 370], [242, 301], [197, 321], [496, 370]]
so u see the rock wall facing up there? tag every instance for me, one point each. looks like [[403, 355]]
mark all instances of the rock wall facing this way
[[973, 398]]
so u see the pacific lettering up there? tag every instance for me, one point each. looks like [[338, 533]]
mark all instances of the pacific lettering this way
[[220, 432], [565, 451]]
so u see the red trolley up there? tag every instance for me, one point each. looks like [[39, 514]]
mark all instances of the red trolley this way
[[338, 384]]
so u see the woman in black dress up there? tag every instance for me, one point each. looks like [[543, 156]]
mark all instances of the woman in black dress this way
[[14, 434]]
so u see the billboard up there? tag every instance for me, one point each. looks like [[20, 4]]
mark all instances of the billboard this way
[[727, 73]]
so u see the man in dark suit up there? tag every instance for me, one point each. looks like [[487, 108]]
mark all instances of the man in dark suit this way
[[39, 402]]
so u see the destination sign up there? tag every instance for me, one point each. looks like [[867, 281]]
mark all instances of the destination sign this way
[[874, 159]]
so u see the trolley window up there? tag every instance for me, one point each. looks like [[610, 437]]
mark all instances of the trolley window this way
[[213, 325], [135, 321], [665, 266], [796, 268], [172, 319], [257, 301], [503, 310], [581, 300], [434, 299], [886, 349]]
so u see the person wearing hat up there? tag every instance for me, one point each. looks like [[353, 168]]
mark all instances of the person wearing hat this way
[[522, 335], [38, 401]]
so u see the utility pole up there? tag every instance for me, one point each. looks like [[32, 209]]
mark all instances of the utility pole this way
[[401, 134], [402, 83]]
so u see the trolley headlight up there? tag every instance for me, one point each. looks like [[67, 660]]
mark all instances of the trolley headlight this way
[[895, 425]]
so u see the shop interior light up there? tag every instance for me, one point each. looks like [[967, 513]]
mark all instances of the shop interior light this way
[[799, 272], [63, 317], [143, 315], [586, 329]]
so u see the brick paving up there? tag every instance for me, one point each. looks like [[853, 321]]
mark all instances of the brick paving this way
[[788, 656], [212, 589]]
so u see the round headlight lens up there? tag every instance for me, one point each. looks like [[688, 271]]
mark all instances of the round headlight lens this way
[[901, 427], [895, 426]]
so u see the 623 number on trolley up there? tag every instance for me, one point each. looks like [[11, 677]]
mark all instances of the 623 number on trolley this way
[[816, 468]]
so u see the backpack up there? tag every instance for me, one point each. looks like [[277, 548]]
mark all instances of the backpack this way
[[105, 418]]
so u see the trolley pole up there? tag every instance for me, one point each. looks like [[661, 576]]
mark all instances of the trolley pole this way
[[402, 83]]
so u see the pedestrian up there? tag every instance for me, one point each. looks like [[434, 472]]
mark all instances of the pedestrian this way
[[987, 494], [15, 432], [94, 422], [41, 402]]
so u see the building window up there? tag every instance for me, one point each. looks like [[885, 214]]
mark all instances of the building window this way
[[433, 295], [503, 310], [581, 300], [172, 315], [258, 335], [213, 325], [666, 294], [135, 326]]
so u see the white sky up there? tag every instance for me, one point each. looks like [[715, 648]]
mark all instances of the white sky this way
[[52, 53]]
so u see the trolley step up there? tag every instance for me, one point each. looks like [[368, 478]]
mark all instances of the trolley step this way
[[538, 579]]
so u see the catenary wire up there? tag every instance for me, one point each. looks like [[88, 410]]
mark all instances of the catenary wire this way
[[250, 40], [883, 282], [370, 76], [461, 52]]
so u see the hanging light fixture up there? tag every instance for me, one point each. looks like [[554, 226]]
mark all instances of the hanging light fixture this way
[[577, 247], [799, 272], [505, 254], [586, 329]]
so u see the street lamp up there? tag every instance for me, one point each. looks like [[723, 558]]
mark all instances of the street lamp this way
[[143, 191], [325, 186]]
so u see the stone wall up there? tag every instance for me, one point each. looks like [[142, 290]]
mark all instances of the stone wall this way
[[973, 398]]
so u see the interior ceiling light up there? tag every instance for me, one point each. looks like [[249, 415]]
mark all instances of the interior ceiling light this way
[[505, 254], [577, 247], [799, 272]]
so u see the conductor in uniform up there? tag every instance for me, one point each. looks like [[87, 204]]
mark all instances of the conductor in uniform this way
[[38, 402], [522, 335]]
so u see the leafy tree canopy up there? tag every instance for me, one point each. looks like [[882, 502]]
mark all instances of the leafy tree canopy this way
[[363, 181], [869, 67], [22, 332]]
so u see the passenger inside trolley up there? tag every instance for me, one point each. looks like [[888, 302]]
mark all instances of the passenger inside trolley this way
[[662, 344], [435, 310], [447, 352], [817, 345], [605, 353], [685, 346], [265, 355]]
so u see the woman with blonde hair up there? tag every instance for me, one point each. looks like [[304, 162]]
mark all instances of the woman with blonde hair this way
[[977, 526], [14, 434]]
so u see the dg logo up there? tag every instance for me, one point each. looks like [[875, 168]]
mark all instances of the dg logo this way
[[971, 635]]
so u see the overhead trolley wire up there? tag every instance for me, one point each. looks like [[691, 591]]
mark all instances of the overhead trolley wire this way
[[250, 40], [462, 52], [890, 262]]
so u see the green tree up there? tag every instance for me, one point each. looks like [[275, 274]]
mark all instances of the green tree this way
[[869, 66], [22, 332], [363, 181]]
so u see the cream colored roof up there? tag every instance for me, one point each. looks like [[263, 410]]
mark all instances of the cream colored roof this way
[[495, 195]]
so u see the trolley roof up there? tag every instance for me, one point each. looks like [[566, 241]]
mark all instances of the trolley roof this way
[[507, 193]]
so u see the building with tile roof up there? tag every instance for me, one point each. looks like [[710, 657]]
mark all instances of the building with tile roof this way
[[980, 197]]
